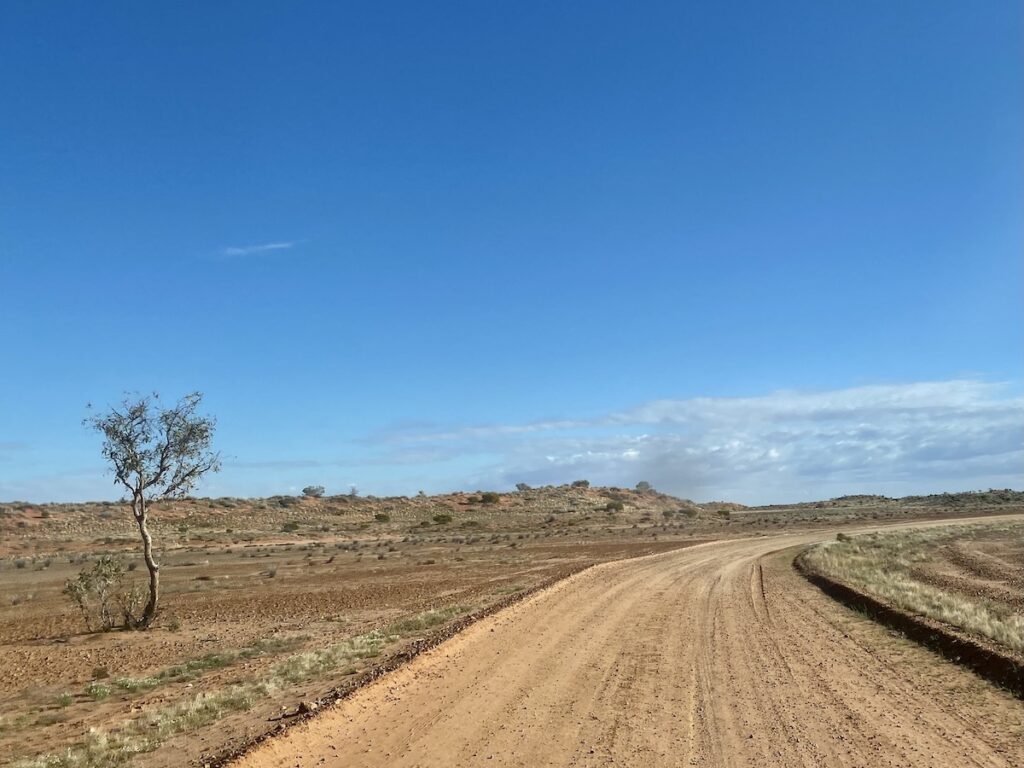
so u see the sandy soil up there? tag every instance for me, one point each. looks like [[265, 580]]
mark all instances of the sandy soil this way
[[717, 655]]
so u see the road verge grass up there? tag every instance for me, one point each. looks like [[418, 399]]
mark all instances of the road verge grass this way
[[873, 576], [148, 731], [880, 564]]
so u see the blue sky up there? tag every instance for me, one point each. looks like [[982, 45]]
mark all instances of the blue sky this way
[[764, 252]]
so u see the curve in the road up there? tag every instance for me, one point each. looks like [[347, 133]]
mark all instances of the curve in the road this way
[[716, 655]]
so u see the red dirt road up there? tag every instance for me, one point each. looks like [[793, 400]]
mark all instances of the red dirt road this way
[[717, 655]]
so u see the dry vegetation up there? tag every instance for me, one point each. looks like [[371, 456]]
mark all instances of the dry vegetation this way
[[274, 602], [970, 577]]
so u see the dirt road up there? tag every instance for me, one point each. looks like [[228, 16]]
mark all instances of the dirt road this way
[[717, 655]]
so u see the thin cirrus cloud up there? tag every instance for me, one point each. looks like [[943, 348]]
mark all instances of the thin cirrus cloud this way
[[251, 250], [783, 446]]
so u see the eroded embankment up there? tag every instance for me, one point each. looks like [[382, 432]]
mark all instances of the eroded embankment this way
[[997, 665]]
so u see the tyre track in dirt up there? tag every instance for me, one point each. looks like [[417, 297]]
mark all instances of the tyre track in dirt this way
[[715, 655]]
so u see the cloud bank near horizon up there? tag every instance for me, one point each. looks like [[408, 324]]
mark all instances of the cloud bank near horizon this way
[[787, 445], [783, 446]]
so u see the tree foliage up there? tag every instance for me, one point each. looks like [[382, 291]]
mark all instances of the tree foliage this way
[[158, 453]]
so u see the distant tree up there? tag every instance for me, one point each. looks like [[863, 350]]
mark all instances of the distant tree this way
[[313, 491], [643, 486], [155, 453], [580, 483], [522, 487], [353, 491]]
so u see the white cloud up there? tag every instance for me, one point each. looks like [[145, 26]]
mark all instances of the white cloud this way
[[248, 250], [897, 439], [893, 439]]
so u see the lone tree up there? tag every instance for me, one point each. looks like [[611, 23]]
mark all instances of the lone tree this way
[[315, 491], [156, 453]]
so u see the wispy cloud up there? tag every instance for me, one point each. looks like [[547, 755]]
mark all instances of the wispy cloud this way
[[249, 250], [10, 448]]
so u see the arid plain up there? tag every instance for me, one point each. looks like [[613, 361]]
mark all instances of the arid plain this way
[[471, 628]]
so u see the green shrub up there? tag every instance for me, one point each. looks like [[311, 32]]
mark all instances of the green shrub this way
[[99, 590], [97, 691], [382, 517], [442, 518], [490, 497], [290, 527]]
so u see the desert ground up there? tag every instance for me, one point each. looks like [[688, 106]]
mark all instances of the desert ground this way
[[580, 626]]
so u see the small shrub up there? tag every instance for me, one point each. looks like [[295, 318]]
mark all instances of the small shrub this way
[[382, 517], [290, 527], [65, 700], [442, 518], [644, 487], [313, 491], [490, 497], [522, 487], [97, 691], [614, 506], [98, 590], [580, 483]]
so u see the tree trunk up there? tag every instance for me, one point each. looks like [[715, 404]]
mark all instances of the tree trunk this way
[[141, 515]]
